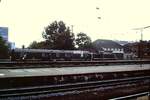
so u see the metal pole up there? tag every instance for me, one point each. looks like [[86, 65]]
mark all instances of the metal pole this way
[[141, 44], [141, 49], [141, 34], [149, 96], [72, 28]]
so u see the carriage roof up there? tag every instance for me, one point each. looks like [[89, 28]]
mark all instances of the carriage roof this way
[[49, 51]]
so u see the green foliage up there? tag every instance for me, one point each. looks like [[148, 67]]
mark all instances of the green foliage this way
[[3, 49], [38, 45], [83, 41], [33, 45], [58, 36]]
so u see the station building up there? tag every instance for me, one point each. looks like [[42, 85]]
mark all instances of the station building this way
[[109, 46]]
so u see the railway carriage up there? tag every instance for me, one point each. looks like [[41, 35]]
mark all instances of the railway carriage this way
[[49, 55], [104, 56], [58, 55]]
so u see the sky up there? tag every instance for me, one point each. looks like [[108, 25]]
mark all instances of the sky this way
[[26, 19]]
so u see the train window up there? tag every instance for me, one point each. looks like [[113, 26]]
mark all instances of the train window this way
[[115, 75], [57, 54], [55, 79], [62, 78], [81, 55], [86, 78], [125, 75], [43, 54], [96, 75], [101, 76], [92, 77], [80, 78], [75, 77], [67, 54]]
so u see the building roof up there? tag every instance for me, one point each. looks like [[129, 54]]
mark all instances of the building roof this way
[[49, 51], [102, 43], [122, 42]]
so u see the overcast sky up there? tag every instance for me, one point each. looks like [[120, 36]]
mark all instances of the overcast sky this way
[[26, 19]]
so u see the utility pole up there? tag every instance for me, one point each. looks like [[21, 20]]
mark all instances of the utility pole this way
[[72, 28], [141, 30]]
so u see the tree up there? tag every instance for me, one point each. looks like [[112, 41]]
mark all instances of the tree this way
[[83, 41], [33, 45], [58, 36], [3, 49], [38, 45]]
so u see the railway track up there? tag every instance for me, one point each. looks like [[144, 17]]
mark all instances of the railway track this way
[[71, 89], [21, 84], [45, 64], [133, 96]]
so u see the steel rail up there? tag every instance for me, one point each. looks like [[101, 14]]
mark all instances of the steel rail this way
[[78, 83], [68, 89], [46, 94], [47, 64], [72, 87], [75, 62], [131, 96]]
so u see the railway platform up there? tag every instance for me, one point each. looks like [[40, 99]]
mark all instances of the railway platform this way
[[27, 72], [58, 82]]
